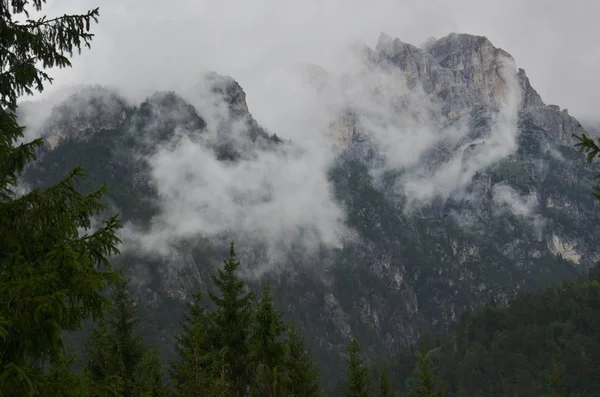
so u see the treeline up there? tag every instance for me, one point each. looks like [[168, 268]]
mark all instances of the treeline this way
[[241, 347], [545, 343], [233, 343], [542, 344]]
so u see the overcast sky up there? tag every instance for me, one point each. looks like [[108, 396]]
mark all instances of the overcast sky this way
[[145, 45]]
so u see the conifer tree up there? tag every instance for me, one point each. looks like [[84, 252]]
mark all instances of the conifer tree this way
[[62, 380], [556, 380], [357, 384], [304, 373], [232, 321], [195, 371], [385, 390], [117, 355], [427, 383], [148, 377], [52, 275], [270, 372]]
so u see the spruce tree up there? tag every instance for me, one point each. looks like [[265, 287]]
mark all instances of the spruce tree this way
[[556, 380], [239, 350], [304, 374], [197, 369], [51, 274], [427, 384], [62, 380], [385, 390], [270, 373], [357, 384], [148, 377], [232, 320], [118, 355]]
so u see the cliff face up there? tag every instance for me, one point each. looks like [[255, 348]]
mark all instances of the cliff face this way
[[519, 213]]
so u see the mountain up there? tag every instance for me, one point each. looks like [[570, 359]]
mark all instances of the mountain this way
[[540, 343], [452, 180]]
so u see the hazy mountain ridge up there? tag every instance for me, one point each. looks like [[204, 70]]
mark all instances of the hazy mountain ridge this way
[[521, 219]]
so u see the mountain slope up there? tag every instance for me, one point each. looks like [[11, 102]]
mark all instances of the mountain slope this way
[[484, 196], [498, 350]]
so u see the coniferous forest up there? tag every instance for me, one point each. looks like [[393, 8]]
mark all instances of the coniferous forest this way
[[54, 279]]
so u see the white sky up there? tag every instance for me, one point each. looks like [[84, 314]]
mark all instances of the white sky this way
[[147, 45]]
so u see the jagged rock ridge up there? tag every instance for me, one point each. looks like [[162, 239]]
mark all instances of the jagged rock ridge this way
[[525, 221]]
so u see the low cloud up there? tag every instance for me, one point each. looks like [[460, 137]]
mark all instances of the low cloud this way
[[450, 177], [509, 200], [524, 207], [282, 197]]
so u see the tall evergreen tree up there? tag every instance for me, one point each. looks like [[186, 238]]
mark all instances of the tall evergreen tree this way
[[197, 369], [303, 370], [52, 276], [427, 384], [357, 384], [62, 380], [270, 376], [385, 389], [232, 320], [556, 380], [267, 350], [149, 375], [272, 358], [118, 355]]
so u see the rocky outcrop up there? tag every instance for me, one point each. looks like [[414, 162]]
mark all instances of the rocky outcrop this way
[[463, 71], [84, 114]]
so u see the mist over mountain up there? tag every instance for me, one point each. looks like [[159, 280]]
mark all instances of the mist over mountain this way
[[406, 186]]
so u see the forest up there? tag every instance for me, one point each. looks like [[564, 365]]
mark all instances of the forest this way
[[54, 280]]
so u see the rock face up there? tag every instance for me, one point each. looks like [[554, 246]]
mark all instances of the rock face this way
[[464, 71], [523, 219]]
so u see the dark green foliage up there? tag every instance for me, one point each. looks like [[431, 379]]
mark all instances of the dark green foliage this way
[[232, 319], [270, 358], [193, 374], [357, 382], [270, 376], [385, 389], [592, 151], [556, 379], [62, 380], [149, 375], [544, 343], [425, 382], [303, 371], [52, 273], [118, 357]]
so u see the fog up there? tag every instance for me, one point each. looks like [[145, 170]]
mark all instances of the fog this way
[[298, 65]]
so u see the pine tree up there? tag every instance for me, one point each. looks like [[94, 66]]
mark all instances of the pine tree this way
[[271, 377], [385, 390], [51, 275], [304, 373], [232, 321], [118, 355], [556, 380], [427, 383], [357, 384], [239, 350], [148, 377], [62, 380], [197, 368]]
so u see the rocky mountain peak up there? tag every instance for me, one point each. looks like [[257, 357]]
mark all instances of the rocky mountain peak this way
[[460, 69], [86, 112], [230, 92], [463, 71]]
